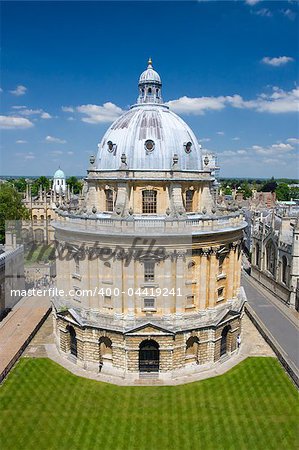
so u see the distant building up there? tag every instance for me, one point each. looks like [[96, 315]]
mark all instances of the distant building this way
[[43, 206], [275, 253], [59, 182]]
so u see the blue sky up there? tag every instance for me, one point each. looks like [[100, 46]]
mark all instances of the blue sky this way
[[229, 69]]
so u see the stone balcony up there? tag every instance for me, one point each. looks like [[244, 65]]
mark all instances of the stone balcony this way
[[138, 224]]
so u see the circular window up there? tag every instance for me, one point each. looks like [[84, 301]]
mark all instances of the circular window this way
[[188, 147], [110, 146], [149, 145]]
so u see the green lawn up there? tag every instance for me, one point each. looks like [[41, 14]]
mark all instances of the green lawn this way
[[253, 406]]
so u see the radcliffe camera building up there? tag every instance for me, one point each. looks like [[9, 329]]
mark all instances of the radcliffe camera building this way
[[167, 274]]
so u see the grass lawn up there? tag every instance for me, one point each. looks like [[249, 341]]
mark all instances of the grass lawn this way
[[253, 406]]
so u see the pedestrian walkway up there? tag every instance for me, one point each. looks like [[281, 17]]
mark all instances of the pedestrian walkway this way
[[279, 320], [18, 327]]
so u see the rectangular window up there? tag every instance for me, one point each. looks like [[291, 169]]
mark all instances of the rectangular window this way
[[190, 300], [149, 202], [107, 300], [220, 293], [221, 263], [189, 201], [149, 303], [77, 266], [109, 199], [149, 270]]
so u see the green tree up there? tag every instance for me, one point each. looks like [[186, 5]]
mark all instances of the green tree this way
[[41, 181], [269, 186], [19, 184], [227, 191], [245, 188], [74, 184], [282, 192], [11, 207]]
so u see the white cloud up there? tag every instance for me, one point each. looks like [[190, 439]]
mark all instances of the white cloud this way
[[197, 105], [289, 13], [276, 62], [293, 140], [11, 122], [264, 12], [45, 115], [70, 153], [100, 114], [278, 101], [71, 118], [57, 152], [24, 111], [21, 141], [54, 140], [29, 155], [235, 138], [204, 140], [278, 149], [67, 108], [221, 133], [252, 2], [19, 90]]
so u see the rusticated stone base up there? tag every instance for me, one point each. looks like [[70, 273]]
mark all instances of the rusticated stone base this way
[[97, 349]]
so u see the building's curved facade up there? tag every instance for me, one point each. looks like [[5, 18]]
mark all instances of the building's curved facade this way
[[159, 261]]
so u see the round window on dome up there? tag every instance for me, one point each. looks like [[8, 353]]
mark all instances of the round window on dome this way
[[149, 145], [110, 146], [188, 146]]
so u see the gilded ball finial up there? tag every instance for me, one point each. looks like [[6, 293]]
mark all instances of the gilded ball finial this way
[[150, 62]]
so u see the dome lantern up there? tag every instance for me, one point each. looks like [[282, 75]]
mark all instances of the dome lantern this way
[[150, 85]]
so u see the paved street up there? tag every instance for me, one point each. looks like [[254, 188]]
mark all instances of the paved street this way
[[280, 320], [18, 325]]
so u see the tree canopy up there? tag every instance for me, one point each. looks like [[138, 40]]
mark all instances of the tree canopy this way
[[11, 207]]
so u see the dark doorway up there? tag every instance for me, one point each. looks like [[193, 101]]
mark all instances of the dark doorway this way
[[149, 355], [224, 336], [73, 341]]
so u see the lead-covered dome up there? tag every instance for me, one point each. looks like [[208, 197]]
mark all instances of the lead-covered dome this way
[[149, 136], [149, 75]]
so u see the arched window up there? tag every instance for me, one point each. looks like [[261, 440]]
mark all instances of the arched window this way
[[157, 93], [271, 257], [149, 91], [42, 218], [149, 202], [224, 343], [284, 270], [49, 217], [257, 255], [109, 199], [34, 219], [73, 340], [192, 347], [107, 271], [189, 200], [57, 182], [105, 348], [191, 270]]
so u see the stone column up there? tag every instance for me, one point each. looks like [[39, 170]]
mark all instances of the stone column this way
[[212, 280], [203, 278], [169, 284], [230, 275], [180, 282]]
